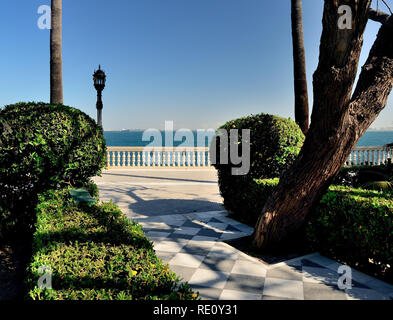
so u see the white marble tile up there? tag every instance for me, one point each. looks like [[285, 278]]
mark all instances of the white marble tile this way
[[239, 295], [209, 278], [282, 288], [169, 246], [249, 267], [186, 260]]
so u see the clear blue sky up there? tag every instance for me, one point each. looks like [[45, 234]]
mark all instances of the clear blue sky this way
[[196, 62]]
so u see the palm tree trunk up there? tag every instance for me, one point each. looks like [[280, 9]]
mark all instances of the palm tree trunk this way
[[56, 60], [299, 65]]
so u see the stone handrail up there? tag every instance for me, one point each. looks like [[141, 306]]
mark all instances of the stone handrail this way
[[374, 156], [158, 157], [199, 157]]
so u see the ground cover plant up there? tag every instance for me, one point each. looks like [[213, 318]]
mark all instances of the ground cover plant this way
[[96, 253]]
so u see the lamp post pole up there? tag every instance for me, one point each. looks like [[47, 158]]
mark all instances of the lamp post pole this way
[[99, 78], [99, 106]]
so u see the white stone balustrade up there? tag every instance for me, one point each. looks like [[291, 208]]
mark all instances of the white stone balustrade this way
[[373, 156], [158, 157], [199, 158]]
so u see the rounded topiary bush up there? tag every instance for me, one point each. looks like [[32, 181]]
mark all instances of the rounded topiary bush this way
[[275, 143], [42, 147]]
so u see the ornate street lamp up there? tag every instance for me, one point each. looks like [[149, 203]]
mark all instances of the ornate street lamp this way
[[99, 78]]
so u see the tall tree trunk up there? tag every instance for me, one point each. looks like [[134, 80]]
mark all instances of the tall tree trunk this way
[[338, 120], [56, 60], [299, 66]]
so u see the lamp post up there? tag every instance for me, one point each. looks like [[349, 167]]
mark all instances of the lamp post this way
[[99, 78]]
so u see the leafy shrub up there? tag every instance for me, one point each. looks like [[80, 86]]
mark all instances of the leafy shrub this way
[[42, 147], [359, 176], [379, 186], [96, 253], [92, 188], [275, 143], [351, 225], [355, 226], [249, 204]]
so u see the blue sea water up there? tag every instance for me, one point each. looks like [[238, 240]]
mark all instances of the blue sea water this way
[[134, 139], [376, 138]]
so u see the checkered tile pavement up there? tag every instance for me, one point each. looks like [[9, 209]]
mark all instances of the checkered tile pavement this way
[[192, 245]]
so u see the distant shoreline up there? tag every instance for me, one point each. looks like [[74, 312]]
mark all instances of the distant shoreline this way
[[142, 130], [133, 138]]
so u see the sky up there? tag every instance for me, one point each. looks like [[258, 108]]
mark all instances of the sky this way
[[198, 63]]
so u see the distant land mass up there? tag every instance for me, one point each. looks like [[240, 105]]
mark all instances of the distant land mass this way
[[381, 129], [139, 130]]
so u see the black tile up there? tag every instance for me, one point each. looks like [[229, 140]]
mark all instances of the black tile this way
[[356, 284], [209, 233], [232, 228], [190, 224], [308, 263], [218, 264], [246, 283], [180, 236], [318, 291], [215, 220], [194, 251]]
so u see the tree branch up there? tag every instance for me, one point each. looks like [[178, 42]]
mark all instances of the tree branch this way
[[376, 79], [378, 16]]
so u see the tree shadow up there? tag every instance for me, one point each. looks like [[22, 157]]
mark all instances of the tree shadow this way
[[160, 178]]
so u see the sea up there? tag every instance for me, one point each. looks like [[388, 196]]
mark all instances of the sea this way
[[135, 138]]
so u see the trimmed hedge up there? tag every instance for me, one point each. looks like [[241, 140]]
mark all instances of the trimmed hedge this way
[[96, 253], [275, 144], [360, 176], [352, 225], [43, 147], [248, 199], [355, 226]]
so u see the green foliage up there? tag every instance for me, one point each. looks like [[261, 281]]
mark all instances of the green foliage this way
[[275, 143], [96, 253], [246, 205], [385, 186], [92, 188], [359, 176], [351, 225], [355, 226], [42, 147]]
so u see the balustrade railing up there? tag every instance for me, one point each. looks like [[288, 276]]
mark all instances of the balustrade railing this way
[[184, 158], [158, 157], [372, 156]]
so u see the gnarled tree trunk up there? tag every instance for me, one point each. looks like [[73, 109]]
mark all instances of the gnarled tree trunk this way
[[56, 60], [299, 67], [338, 120]]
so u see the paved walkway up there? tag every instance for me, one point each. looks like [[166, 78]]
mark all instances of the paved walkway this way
[[180, 210]]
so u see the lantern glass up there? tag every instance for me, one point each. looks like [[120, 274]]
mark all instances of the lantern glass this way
[[99, 78]]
